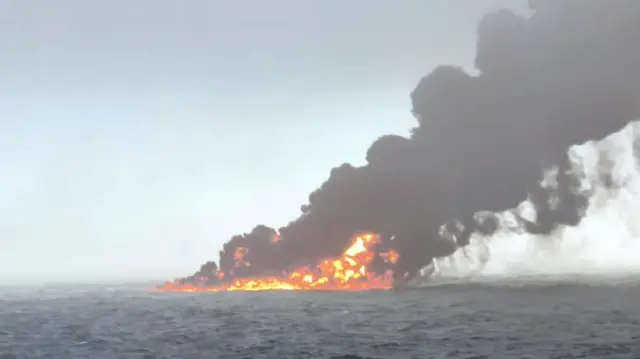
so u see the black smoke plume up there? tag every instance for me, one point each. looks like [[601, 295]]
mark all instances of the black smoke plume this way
[[566, 74]]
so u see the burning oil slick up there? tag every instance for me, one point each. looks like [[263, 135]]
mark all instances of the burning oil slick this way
[[361, 266], [567, 74]]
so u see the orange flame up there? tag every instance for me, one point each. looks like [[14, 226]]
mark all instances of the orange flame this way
[[347, 272], [275, 238], [238, 257]]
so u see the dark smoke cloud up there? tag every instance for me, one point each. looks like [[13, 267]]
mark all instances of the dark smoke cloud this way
[[567, 74]]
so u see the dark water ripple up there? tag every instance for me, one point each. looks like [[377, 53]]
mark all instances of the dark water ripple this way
[[481, 321]]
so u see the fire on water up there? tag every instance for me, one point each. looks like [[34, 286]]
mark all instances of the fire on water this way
[[349, 272]]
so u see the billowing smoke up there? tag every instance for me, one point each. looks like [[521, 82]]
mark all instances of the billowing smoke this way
[[567, 74], [606, 242]]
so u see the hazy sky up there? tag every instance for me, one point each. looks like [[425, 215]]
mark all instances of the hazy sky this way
[[138, 136]]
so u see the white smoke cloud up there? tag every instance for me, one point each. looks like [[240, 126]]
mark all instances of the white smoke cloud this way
[[607, 241]]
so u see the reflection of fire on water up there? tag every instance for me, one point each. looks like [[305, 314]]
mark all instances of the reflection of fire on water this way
[[351, 271]]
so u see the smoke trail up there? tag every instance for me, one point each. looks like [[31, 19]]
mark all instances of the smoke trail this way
[[607, 241]]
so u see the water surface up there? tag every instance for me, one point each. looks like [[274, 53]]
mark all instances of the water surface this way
[[505, 319]]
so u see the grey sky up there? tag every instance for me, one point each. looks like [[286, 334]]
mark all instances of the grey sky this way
[[137, 137]]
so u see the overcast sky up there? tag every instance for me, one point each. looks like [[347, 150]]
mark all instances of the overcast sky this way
[[137, 136]]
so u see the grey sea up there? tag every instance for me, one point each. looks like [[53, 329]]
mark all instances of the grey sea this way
[[571, 318]]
